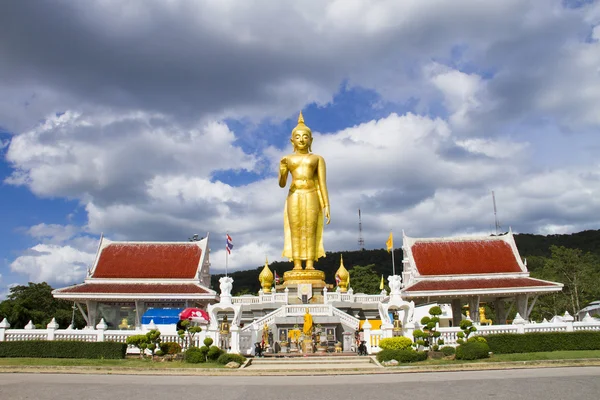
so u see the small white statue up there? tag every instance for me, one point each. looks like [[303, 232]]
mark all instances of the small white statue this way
[[395, 281], [226, 284]]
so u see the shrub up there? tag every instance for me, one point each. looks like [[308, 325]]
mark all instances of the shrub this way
[[472, 351], [214, 353], [402, 356], [194, 355], [139, 341], [170, 347], [543, 341], [204, 352], [63, 349], [395, 343], [208, 341], [228, 357], [479, 339], [448, 350]]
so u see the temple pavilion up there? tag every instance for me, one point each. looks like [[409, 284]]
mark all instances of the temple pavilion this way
[[470, 270], [128, 278]]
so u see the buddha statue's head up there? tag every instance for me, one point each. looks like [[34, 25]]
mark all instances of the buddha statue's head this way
[[301, 135]]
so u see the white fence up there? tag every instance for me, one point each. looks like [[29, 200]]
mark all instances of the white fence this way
[[100, 334], [249, 333], [329, 297], [450, 335]]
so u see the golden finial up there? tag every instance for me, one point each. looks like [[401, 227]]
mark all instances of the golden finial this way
[[266, 278], [343, 275], [301, 125]]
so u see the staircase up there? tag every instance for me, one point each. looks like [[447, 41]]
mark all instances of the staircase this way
[[312, 363]]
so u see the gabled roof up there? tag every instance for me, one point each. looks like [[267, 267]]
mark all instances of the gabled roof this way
[[153, 291], [464, 266], [145, 270], [479, 283], [465, 255], [148, 260]]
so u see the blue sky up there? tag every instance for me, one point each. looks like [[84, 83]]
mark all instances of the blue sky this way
[[154, 121]]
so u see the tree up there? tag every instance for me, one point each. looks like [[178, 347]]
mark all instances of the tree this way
[[364, 279], [579, 274], [35, 303]]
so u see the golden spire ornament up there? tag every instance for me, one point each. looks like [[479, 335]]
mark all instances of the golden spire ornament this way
[[342, 276], [266, 277]]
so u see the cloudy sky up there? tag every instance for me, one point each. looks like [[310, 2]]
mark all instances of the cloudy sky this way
[[156, 120]]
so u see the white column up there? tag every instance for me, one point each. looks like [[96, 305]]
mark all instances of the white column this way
[[474, 309], [101, 327], [522, 300], [92, 309], [235, 339], [500, 311], [456, 312], [52, 327], [4, 325]]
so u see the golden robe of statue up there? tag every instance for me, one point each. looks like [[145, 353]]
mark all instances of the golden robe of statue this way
[[306, 200], [308, 324]]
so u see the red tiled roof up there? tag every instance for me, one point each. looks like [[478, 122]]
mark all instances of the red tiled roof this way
[[137, 288], [465, 284], [464, 257], [148, 260]]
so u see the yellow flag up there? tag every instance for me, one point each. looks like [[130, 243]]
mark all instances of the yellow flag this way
[[390, 243], [381, 285]]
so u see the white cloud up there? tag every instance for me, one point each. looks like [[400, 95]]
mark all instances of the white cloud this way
[[137, 136], [54, 264]]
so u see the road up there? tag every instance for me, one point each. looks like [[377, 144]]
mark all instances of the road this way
[[578, 383]]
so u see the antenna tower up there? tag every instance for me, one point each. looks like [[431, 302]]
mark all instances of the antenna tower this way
[[496, 214], [361, 241]]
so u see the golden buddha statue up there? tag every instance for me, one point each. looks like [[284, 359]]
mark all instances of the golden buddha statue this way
[[224, 328], [305, 205], [308, 324]]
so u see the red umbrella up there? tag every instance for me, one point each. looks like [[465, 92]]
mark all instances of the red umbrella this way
[[195, 315]]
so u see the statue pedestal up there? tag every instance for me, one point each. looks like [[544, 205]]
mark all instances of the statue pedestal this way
[[296, 276], [307, 346]]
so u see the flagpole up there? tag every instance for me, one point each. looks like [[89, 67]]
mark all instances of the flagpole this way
[[393, 263], [226, 253]]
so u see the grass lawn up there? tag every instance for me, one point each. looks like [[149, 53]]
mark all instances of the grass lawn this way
[[126, 363], [540, 356]]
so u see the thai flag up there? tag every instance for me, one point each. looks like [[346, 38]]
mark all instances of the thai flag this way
[[228, 243], [277, 278], [337, 280]]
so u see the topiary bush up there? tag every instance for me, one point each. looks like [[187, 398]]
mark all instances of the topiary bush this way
[[214, 353], [543, 341], [474, 350], [63, 349], [170, 348], [194, 355], [402, 356], [228, 357], [208, 342], [395, 343], [479, 339], [448, 350]]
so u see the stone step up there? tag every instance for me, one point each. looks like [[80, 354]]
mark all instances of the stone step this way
[[311, 367], [312, 363], [312, 360]]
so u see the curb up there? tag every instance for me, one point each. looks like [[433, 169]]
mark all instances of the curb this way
[[278, 372]]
